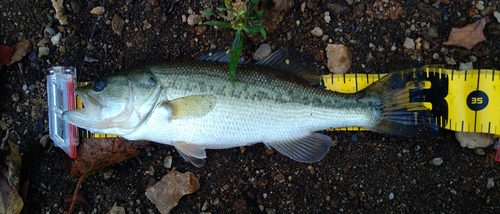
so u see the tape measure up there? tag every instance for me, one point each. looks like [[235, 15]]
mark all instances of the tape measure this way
[[460, 100]]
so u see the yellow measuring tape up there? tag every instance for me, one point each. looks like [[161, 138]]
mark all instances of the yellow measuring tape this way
[[461, 100], [464, 101]]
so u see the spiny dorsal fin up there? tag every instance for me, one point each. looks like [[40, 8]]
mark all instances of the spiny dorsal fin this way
[[281, 60]]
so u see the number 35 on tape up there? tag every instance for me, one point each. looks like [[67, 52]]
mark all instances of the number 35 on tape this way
[[462, 100]]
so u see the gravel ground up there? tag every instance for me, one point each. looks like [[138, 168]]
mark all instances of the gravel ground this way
[[364, 172]]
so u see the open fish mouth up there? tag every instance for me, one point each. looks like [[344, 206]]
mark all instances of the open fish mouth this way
[[86, 117], [91, 106]]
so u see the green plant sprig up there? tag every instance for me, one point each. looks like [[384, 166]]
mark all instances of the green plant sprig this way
[[241, 18]]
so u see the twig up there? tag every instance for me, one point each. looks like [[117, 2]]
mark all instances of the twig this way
[[73, 200]]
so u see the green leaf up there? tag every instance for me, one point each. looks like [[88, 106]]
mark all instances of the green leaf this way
[[227, 3], [218, 24], [251, 30], [259, 13], [236, 50], [252, 4], [207, 13], [263, 32], [222, 9]]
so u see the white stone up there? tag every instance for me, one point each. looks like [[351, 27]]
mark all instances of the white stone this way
[[317, 32], [409, 43], [437, 161], [480, 5], [56, 39], [466, 66], [474, 140], [43, 51], [490, 184], [339, 58], [497, 15], [263, 51]]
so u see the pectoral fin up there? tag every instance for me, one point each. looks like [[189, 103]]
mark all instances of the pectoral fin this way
[[308, 149], [192, 106], [193, 153]]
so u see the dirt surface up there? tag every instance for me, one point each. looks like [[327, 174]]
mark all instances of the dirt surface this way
[[364, 172]]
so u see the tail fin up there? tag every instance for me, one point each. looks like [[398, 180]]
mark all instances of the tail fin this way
[[402, 109]]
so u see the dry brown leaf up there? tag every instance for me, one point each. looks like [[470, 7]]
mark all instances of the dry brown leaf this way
[[117, 24], [468, 36], [10, 165], [21, 49], [5, 54], [97, 153]]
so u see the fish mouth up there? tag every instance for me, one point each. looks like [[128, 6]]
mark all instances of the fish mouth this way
[[86, 117]]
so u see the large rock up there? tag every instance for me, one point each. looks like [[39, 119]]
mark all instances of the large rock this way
[[339, 58], [168, 191]]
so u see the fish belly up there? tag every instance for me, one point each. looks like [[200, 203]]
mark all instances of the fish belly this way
[[234, 123]]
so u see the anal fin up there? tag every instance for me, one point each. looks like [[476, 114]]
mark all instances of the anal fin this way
[[193, 153], [307, 149]]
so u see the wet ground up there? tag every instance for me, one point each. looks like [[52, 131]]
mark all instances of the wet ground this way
[[364, 172]]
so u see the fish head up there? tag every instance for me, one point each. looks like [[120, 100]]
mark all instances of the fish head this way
[[115, 104]]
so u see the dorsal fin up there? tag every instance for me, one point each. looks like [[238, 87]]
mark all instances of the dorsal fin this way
[[281, 60]]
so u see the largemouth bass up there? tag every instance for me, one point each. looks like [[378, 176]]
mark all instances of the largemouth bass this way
[[193, 106]]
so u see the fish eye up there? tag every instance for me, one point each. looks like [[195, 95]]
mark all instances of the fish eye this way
[[100, 84]]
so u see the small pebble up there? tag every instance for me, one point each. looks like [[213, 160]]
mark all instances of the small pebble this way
[[15, 97], [167, 162], [433, 32], [473, 58], [311, 169], [437, 161], [215, 201], [435, 56], [409, 43], [480, 5], [466, 66], [56, 39], [490, 184], [117, 210], [391, 196], [324, 38], [497, 16], [205, 206], [193, 19], [49, 32], [393, 47], [328, 19], [317, 32], [264, 50], [44, 141], [450, 61], [479, 151], [444, 50], [106, 175], [97, 10]]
